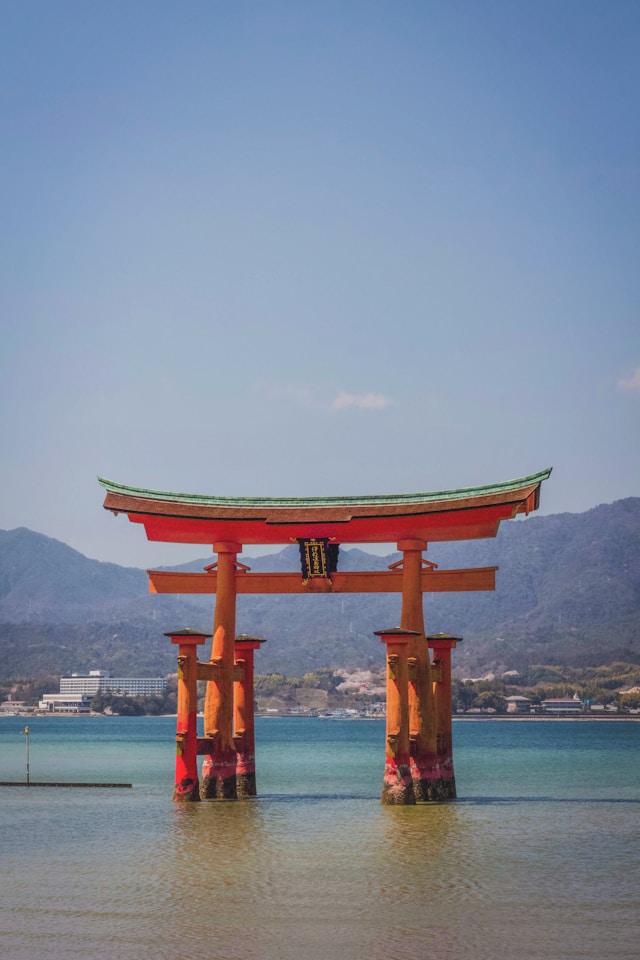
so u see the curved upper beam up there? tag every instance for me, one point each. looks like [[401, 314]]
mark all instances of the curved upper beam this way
[[462, 493], [464, 513]]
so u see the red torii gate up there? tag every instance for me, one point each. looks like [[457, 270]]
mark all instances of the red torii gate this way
[[419, 763]]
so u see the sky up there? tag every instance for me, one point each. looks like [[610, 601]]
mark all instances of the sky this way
[[292, 249]]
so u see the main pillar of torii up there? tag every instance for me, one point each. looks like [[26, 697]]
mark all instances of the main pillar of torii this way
[[320, 525], [219, 768], [430, 781]]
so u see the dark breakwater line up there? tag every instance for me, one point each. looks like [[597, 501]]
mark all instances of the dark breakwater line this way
[[50, 783]]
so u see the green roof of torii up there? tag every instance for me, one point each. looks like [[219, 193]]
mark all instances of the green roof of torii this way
[[462, 493]]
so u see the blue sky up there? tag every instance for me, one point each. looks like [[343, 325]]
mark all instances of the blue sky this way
[[291, 249]]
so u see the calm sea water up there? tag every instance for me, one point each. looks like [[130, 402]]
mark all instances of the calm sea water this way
[[538, 859]]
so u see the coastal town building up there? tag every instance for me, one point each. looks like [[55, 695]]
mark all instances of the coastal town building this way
[[563, 705], [518, 704], [78, 683], [13, 707], [78, 690], [66, 702]]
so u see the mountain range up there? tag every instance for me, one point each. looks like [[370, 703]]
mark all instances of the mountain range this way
[[567, 593]]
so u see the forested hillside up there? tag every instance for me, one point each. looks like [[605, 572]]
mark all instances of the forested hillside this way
[[568, 592]]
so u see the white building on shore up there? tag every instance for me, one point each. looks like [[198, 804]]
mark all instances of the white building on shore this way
[[66, 702], [78, 689], [124, 686], [563, 706]]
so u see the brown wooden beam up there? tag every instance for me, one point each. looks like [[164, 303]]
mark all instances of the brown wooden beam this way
[[205, 745], [211, 671], [378, 581]]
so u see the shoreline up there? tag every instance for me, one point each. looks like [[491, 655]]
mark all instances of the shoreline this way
[[537, 719], [481, 717]]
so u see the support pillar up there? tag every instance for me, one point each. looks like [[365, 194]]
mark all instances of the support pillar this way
[[186, 782], [397, 786], [219, 767], [425, 765], [244, 716], [442, 644]]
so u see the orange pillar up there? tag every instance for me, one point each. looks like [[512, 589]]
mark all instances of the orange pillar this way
[[186, 783], [244, 716], [422, 718], [397, 786], [442, 644], [219, 767]]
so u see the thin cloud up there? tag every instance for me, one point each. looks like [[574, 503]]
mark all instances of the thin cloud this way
[[632, 384], [362, 401], [304, 397]]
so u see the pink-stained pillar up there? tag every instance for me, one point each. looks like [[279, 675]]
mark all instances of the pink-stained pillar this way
[[244, 716], [442, 644], [397, 784], [186, 783]]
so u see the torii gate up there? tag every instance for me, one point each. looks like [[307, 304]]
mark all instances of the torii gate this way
[[419, 762]]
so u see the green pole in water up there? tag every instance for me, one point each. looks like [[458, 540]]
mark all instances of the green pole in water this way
[[26, 731]]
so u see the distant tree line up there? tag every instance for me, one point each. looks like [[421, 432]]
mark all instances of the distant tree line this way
[[105, 701], [601, 685], [604, 684]]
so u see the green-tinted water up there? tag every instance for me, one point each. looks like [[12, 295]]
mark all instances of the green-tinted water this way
[[538, 857]]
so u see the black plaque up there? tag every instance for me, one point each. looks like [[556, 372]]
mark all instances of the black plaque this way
[[318, 557]]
